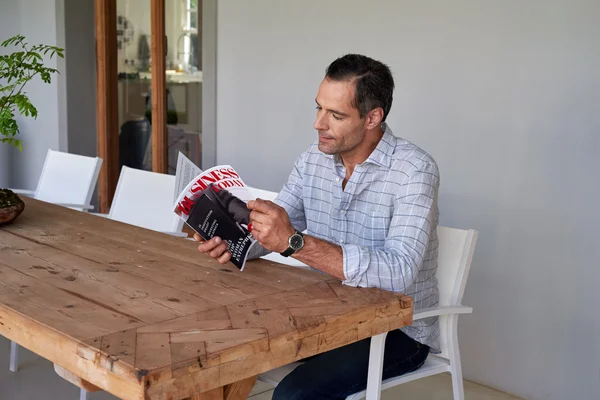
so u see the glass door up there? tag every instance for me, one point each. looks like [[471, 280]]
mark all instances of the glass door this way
[[146, 47], [134, 79], [183, 76]]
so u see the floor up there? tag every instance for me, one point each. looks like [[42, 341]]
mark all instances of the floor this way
[[36, 379]]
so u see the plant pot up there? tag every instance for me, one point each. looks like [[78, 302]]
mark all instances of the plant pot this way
[[11, 206]]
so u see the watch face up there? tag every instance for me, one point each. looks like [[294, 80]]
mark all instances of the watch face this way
[[296, 241]]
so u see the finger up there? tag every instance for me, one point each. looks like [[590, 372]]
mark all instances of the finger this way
[[257, 216], [224, 258], [198, 238], [258, 227], [257, 235], [205, 247], [219, 250], [263, 206]]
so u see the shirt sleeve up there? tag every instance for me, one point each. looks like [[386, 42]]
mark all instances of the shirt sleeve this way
[[396, 265], [290, 198], [291, 195]]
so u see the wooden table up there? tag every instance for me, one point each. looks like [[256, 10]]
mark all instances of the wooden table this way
[[142, 315]]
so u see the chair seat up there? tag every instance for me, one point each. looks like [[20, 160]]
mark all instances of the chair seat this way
[[276, 375], [433, 365]]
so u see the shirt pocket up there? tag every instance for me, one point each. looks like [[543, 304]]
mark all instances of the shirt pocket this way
[[375, 228]]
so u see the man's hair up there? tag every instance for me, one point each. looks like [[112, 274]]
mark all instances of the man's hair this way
[[374, 82]]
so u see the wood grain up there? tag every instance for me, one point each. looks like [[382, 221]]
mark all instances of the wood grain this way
[[159, 89], [239, 390], [74, 379], [144, 316], [107, 100]]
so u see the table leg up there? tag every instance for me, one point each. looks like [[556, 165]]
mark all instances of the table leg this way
[[236, 391], [75, 380], [215, 394], [240, 390]]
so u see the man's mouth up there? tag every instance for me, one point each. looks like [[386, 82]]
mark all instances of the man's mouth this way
[[325, 138]]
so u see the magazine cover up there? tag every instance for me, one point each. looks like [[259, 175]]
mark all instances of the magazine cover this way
[[214, 204]]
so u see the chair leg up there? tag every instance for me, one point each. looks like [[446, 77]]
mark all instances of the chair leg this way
[[375, 367], [454, 356], [14, 357], [83, 394]]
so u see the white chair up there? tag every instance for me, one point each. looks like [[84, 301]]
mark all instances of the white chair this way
[[263, 194], [66, 179], [456, 249], [145, 199]]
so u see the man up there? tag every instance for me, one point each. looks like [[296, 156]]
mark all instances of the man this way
[[368, 201]]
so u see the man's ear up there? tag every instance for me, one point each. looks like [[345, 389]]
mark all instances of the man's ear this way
[[374, 118]]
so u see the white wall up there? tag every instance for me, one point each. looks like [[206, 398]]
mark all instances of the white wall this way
[[8, 28], [68, 24], [37, 20], [80, 73], [506, 96]]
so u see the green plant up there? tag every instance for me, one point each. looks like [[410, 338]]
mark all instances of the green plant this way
[[16, 70]]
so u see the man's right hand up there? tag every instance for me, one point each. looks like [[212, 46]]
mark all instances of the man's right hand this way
[[215, 247]]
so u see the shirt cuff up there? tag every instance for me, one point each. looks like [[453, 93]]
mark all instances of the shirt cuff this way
[[353, 259]]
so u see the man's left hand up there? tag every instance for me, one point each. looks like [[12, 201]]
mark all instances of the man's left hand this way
[[271, 225]]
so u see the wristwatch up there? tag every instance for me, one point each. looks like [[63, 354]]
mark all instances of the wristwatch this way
[[295, 243]]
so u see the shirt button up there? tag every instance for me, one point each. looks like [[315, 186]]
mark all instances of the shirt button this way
[[337, 179], [342, 211], [341, 241]]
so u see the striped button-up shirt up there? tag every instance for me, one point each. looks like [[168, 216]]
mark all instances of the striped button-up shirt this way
[[384, 219]]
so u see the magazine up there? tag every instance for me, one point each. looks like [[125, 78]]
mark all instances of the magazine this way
[[214, 204]]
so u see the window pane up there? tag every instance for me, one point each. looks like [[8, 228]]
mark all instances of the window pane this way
[[194, 19], [184, 83], [133, 67]]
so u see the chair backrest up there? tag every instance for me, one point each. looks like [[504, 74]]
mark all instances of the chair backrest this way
[[68, 178], [455, 253], [263, 194], [145, 199]]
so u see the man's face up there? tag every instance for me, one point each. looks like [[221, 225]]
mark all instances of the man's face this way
[[339, 124]]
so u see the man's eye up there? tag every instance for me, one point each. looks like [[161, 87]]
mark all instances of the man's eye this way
[[336, 117], [318, 107]]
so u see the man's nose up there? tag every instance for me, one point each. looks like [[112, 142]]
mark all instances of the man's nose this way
[[320, 123]]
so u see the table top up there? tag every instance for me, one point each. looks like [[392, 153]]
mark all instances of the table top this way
[[142, 314]]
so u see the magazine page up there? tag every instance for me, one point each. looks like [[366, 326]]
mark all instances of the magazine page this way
[[214, 204], [185, 172], [218, 213]]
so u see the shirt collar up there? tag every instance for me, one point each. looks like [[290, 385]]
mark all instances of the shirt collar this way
[[382, 155]]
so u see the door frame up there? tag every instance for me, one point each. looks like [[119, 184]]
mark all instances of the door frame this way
[[107, 98]]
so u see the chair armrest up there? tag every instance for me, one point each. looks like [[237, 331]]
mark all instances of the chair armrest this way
[[176, 234], [442, 310], [28, 193], [82, 206], [99, 215]]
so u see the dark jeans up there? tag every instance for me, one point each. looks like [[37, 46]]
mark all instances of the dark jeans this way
[[341, 372]]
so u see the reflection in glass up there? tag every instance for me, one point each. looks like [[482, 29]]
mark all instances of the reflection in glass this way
[[133, 66], [183, 81]]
